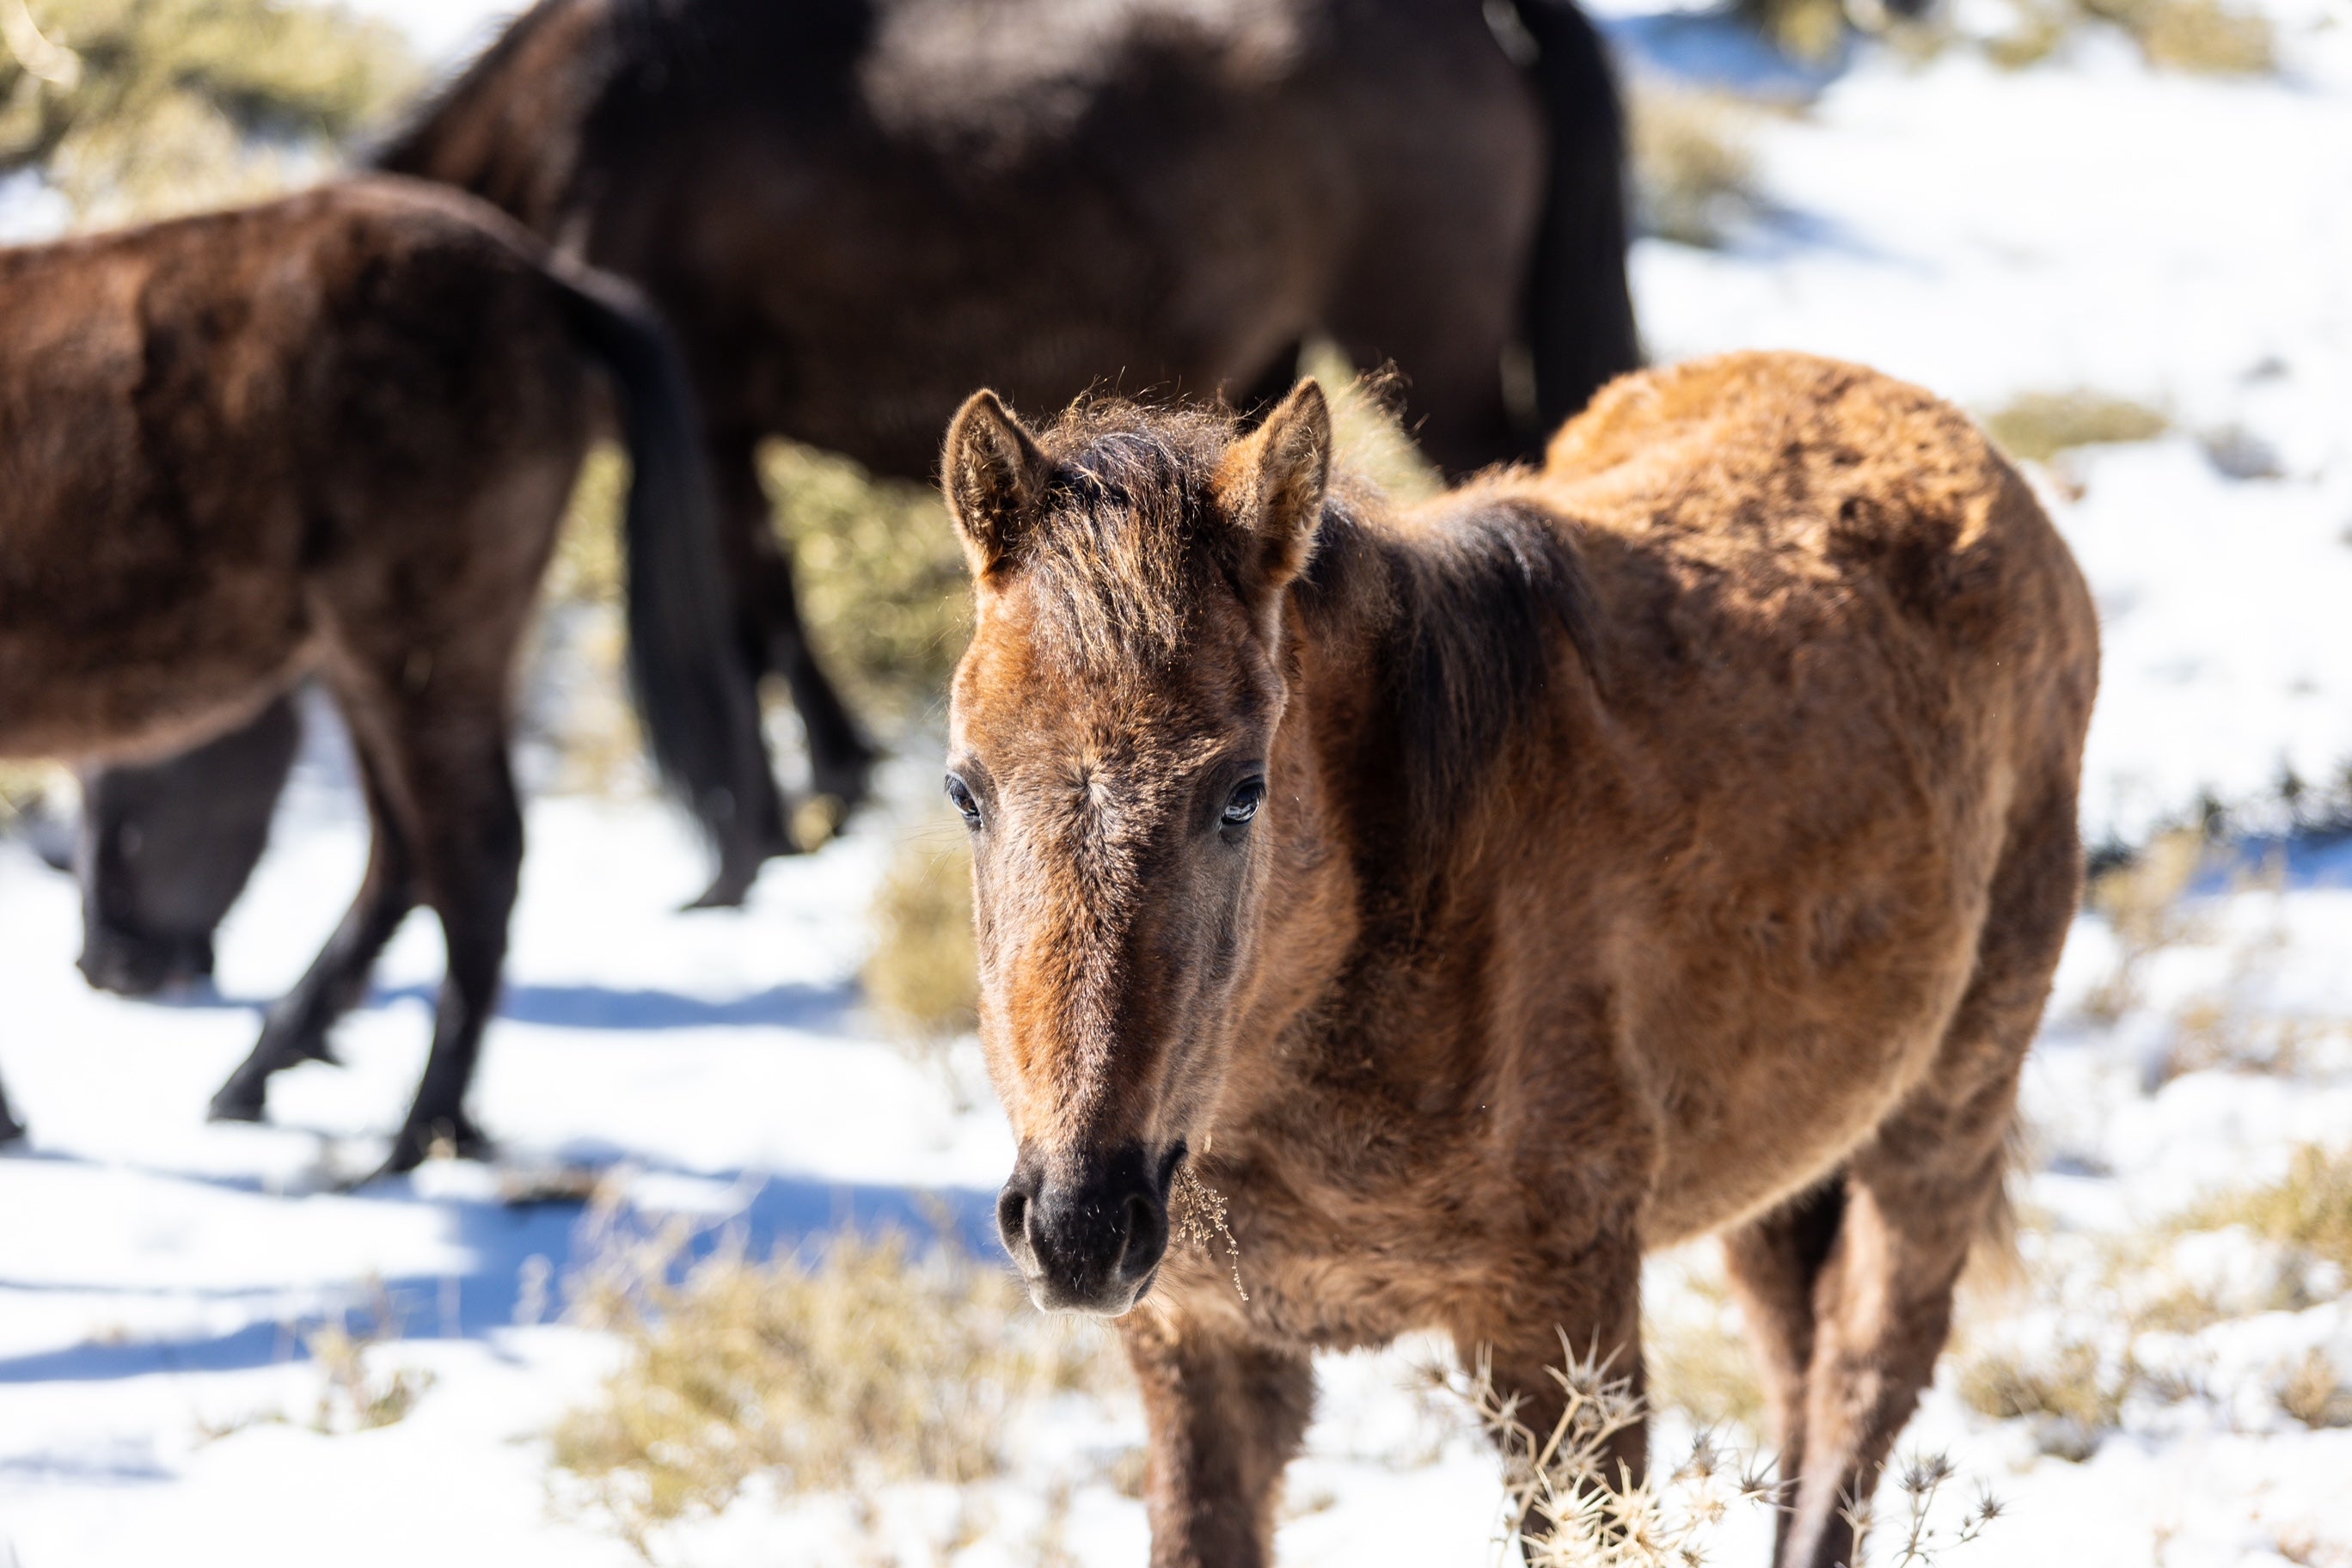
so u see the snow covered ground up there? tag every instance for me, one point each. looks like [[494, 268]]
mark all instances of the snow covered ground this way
[[2086, 222]]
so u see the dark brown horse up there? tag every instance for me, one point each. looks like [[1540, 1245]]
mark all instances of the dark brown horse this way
[[333, 436], [1677, 840], [852, 211]]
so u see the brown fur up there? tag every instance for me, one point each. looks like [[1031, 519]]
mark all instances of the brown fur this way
[[333, 436], [1677, 840]]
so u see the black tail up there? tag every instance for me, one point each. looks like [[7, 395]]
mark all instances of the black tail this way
[[1579, 310], [697, 699]]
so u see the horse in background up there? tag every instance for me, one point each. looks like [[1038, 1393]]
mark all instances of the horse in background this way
[[1677, 840], [333, 437], [852, 211]]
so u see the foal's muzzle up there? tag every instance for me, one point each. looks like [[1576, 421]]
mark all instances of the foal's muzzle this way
[[1088, 1233]]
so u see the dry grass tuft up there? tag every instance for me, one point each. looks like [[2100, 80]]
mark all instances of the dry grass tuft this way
[[354, 1394], [2310, 1209], [2316, 1392], [2072, 1392], [1367, 435], [27, 789], [2202, 36], [1805, 29], [2038, 425], [2142, 901], [1705, 1371], [865, 1363], [922, 975], [137, 108], [1693, 173], [2206, 36]]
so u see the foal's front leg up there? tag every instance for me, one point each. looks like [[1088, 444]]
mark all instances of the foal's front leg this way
[[1578, 1313], [1227, 1414]]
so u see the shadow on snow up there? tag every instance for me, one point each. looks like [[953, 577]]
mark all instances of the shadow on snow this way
[[776, 1213]]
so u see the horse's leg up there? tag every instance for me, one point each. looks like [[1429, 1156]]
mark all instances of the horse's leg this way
[[10, 1128], [467, 835], [1775, 1262], [1225, 1415], [1922, 1191], [839, 757], [296, 1029], [1577, 1306]]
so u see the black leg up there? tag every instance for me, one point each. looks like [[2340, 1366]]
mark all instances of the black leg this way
[[472, 858], [10, 1128], [840, 758], [296, 1029]]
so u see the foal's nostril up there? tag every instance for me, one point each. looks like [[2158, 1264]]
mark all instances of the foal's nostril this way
[[1013, 1219], [1146, 1237]]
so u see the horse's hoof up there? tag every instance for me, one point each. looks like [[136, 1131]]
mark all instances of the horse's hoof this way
[[727, 891], [11, 1129], [234, 1104], [438, 1138]]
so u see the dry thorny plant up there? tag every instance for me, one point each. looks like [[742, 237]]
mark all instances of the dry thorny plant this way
[[1568, 1505]]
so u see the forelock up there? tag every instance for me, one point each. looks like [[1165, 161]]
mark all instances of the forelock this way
[[1130, 543]]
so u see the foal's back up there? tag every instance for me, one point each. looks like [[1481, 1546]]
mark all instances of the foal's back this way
[[1845, 664]]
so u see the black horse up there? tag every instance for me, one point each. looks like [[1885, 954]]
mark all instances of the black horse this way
[[853, 211]]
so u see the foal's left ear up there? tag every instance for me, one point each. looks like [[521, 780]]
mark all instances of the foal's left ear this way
[[1272, 483]]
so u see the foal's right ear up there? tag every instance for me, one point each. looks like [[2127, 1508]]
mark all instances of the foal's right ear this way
[[993, 474]]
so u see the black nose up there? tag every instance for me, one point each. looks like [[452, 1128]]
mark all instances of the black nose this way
[[130, 964], [1087, 1235]]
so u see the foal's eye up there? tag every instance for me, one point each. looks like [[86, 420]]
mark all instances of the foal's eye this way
[[960, 795], [1243, 804]]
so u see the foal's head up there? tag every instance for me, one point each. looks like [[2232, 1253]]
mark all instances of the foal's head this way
[[1112, 727]]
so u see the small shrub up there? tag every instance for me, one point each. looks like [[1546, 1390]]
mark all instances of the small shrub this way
[[2074, 1393], [2316, 1392], [579, 679], [2310, 1208], [1367, 436], [2142, 902], [1806, 29], [354, 1395], [1698, 1362], [922, 975], [2202, 36], [2038, 425], [1693, 174], [136, 108], [27, 789], [864, 1363], [880, 577]]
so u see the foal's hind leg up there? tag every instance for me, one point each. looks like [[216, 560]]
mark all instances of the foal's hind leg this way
[[296, 1030], [1919, 1194], [1775, 1263]]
